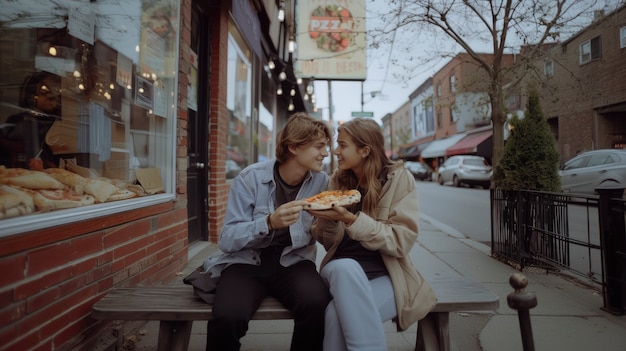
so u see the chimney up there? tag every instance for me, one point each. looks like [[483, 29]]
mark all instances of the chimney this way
[[598, 15]]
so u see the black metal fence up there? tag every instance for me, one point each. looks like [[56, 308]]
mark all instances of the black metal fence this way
[[580, 235]]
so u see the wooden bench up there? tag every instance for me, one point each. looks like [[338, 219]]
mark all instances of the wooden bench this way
[[176, 308]]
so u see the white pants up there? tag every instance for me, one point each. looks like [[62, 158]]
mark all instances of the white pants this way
[[355, 315]]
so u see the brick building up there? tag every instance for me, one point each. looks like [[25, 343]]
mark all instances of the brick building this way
[[173, 96], [583, 87]]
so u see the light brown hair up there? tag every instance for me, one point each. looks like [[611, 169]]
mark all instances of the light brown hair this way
[[365, 132], [301, 129]]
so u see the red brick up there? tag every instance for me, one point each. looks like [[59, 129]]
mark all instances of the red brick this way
[[13, 269], [122, 234], [44, 298], [84, 266], [33, 286], [6, 297], [51, 256], [21, 342], [12, 312], [86, 245]]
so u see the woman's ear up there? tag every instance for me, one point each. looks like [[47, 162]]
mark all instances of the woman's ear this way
[[365, 151]]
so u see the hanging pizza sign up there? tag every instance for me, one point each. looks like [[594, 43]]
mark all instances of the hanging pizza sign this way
[[332, 43], [331, 27]]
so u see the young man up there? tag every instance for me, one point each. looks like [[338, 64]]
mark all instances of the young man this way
[[266, 245]]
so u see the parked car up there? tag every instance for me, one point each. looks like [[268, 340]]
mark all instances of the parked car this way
[[232, 169], [419, 170], [465, 169], [584, 173]]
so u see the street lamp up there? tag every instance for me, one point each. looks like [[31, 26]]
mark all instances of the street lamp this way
[[373, 94]]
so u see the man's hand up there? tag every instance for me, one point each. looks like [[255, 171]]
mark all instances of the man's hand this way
[[287, 214]]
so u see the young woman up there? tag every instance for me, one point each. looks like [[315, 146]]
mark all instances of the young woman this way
[[266, 244], [367, 266]]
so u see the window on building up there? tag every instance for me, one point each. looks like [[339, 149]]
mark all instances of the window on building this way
[[439, 90], [590, 50], [239, 104], [439, 119], [548, 68], [80, 94], [622, 37], [452, 84], [454, 116]]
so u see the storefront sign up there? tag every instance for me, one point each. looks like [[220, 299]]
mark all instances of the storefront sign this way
[[331, 40], [248, 22], [81, 24]]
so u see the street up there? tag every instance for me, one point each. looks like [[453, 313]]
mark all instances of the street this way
[[466, 210]]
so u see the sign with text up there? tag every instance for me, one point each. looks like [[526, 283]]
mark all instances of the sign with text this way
[[362, 114], [331, 40]]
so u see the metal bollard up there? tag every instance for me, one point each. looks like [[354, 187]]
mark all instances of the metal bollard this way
[[522, 302]]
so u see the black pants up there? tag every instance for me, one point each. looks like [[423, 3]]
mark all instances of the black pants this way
[[243, 287]]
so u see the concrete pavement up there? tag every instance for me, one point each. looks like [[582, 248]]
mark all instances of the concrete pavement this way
[[568, 316]]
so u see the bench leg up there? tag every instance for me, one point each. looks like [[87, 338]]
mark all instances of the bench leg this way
[[174, 335], [433, 332]]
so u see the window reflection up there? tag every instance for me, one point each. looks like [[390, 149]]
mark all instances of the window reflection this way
[[90, 91], [239, 104]]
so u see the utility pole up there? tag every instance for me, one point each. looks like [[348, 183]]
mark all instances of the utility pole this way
[[362, 103], [330, 121]]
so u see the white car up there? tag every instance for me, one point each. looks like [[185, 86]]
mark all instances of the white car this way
[[465, 169], [584, 173]]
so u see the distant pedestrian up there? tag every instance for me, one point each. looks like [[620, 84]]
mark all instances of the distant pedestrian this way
[[367, 265]]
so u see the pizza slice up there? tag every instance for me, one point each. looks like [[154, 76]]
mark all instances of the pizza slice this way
[[14, 202], [57, 199], [331, 198]]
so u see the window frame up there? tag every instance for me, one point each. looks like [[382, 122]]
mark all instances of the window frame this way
[[591, 48], [622, 37], [548, 68]]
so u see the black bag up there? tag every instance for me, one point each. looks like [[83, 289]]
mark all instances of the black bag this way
[[203, 284]]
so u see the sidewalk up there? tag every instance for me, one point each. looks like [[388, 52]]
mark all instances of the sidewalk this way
[[568, 315]]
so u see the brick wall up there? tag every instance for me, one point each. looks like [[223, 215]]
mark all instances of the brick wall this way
[[218, 120], [577, 93], [52, 277]]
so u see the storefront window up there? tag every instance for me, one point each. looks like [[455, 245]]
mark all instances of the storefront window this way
[[267, 144], [89, 88], [239, 104]]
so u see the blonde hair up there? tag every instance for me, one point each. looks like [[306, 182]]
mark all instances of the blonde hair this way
[[365, 132], [301, 129]]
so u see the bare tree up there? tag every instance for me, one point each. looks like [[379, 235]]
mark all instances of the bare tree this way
[[477, 27]]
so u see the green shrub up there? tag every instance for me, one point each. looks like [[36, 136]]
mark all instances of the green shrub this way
[[530, 159]]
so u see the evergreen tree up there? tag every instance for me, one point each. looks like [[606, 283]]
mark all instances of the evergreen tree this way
[[529, 159]]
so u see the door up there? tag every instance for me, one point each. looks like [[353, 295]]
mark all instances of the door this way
[[198, 119]]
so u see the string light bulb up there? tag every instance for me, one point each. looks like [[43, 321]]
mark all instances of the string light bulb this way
[[291, 106], [281, 11], [292, 92]]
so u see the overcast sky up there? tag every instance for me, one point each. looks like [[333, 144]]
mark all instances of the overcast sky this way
[[382, 74]]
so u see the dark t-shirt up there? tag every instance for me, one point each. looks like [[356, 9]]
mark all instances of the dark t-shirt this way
[[284, 193], [24, 138], [371, 261]]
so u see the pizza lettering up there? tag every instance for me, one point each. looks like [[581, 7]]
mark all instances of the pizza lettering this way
[[331, 28], [331, 198]]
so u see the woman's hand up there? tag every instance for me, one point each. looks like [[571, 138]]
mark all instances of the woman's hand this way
[[336, 213]]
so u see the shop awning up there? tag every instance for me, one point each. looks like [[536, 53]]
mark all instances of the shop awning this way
[[415, 151], [469, 144], [438, 147]]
